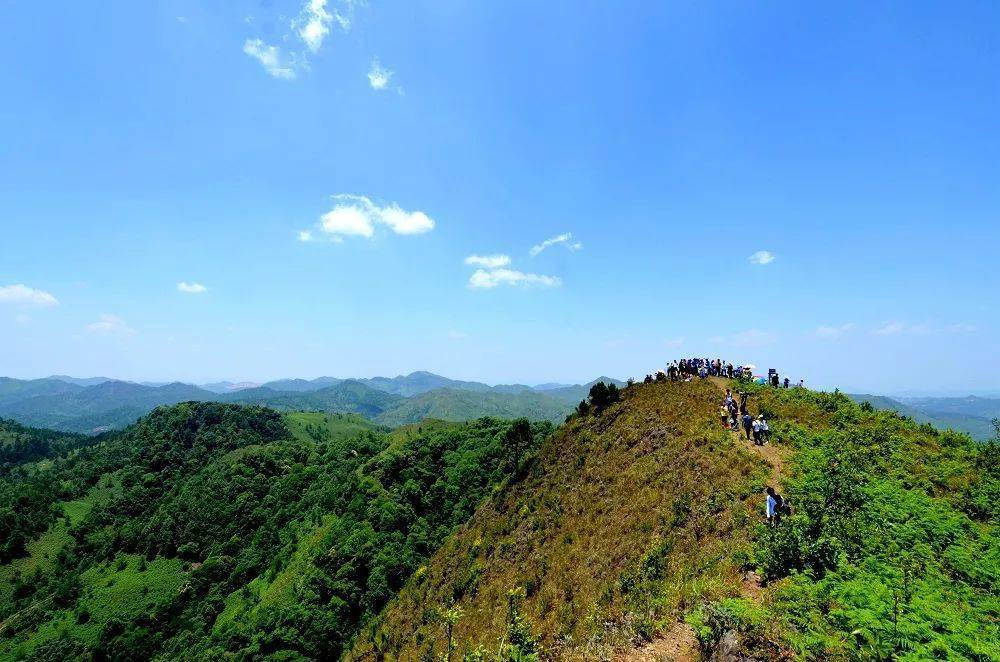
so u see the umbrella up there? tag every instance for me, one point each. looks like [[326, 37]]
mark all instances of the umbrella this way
[[751, 366]]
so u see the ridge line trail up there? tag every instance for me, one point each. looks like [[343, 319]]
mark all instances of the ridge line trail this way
[[772, 454], [679, 644]]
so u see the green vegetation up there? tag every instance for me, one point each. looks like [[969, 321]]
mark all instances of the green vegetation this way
[[345, 397], [892, 550], [89, 407], [970, 415], [647, 513], [20, 444], [623, 520], [209, 529], [454, 405]]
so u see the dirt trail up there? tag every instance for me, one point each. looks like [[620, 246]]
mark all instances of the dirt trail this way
[[774, 455], [679, 643]]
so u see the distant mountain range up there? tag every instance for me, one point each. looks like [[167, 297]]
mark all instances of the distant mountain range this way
[[972, 415], [98, 404]]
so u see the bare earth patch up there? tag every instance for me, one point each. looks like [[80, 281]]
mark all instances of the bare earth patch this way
[[678, 644]]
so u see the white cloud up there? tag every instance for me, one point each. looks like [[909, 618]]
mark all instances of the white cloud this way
[[358, 216], [488, 261], [903, 328], [191, 288], [761, 257], [833, 332], [483, 279], [271, 58], [26, 296], [311, 26], [378, 76], [111, 325], [890, 329], [314, 24], [405, 222], [347, 220], [563, 238]]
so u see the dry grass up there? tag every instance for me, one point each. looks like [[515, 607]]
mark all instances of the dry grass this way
[[653, 483]]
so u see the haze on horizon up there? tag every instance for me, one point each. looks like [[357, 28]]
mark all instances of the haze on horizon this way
[[511, 193]]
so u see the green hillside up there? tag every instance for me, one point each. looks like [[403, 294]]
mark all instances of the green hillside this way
[[211, 529], [57, 405], [645, 520], [344, 397], [972, 416], [571, 395], [20, 444], [455, 405]]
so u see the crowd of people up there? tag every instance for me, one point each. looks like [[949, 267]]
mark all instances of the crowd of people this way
[[734, 413], [688, 369]]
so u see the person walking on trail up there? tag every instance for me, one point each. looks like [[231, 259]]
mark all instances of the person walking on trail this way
[[786, 382], [765, 431], [756, 432], [724, 415], [773, 507], [747, 424]]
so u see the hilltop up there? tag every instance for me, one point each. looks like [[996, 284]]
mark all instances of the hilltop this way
[[209, 530], [645, 520]]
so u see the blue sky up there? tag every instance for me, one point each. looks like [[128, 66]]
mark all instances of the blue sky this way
[[147, 145]]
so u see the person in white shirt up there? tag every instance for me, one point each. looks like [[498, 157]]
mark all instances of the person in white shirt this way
[[756, 432], [765, 431], [771, 508]]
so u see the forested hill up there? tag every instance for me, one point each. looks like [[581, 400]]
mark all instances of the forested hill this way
[[210, 530], [20, 444], [640, 525], [82, 406]]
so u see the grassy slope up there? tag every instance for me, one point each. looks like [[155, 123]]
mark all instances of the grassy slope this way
[[454, 405], [978, 427], [608, 498], [629, 521], [892, 550]]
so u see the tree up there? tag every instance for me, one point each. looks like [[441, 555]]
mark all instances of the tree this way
[[516, 442], [603, 395]]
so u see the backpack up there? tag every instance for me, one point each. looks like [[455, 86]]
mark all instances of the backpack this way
[[782, 507]]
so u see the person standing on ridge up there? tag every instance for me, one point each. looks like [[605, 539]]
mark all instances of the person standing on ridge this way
[[747, 424], [770, 505], [774, 507]]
